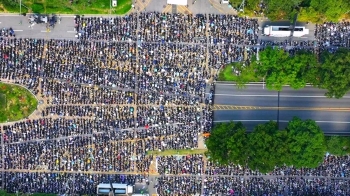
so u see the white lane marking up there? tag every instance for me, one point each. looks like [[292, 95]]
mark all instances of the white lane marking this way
[[70, 31], [336, 122], [17, 30], [45, 31], [294, 96], [250, 84]]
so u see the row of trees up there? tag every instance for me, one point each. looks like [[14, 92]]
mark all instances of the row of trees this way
[[278, 68], [301, 144], [309, 10]]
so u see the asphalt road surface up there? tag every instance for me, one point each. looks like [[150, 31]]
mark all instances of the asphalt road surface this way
[[20, 24], [307, 103]]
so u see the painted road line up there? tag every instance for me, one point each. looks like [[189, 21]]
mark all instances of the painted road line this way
[[293, 96], [232, 107], [71, 32], [17, 30], [283, 121], [249, 84]]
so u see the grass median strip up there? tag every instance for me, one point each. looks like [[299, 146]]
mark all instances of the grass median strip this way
[[177, 152], [67, 7]]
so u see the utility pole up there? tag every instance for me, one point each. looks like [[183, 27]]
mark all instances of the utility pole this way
[[20, 7]]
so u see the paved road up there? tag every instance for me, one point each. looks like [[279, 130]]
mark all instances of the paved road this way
[[336, 122], [62, 30]]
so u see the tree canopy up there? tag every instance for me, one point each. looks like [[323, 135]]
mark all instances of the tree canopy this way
[[306, 143], [309, 10], [228, 140], [279, 68], [262, 145], [301, 144], [331, 72], [337, 145]]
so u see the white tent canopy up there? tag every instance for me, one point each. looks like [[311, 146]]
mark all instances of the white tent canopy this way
[[177, 2]]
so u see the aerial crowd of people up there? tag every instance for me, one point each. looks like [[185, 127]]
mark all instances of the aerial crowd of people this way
[[134, 84]]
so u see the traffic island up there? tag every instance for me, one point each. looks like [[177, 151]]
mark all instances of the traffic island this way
[[16, 102]]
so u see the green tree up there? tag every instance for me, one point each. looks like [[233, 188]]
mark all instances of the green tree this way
[[306, 143], [281, 148], [298, 68], [238, 145], [277, 9], [220, 143], [331, 10], [336, 145], [250, 5], [261, 149], [281, 69], [271, 65], [333, 73]]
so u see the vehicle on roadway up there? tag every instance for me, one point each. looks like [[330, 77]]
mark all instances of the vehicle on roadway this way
[[116, 188], [285, 31]]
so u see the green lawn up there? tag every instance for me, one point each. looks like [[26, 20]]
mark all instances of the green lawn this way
[[246, 74], [15, 103], [66, 7], [177, 152]]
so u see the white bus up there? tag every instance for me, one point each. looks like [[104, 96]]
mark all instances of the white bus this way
[[285, 31], [118, 189]]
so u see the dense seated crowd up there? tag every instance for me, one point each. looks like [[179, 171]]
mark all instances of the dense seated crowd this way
[[190, 164], [333, 34], [134, 84], [332, 166], [298, 186], [64, 183], [170, 185]]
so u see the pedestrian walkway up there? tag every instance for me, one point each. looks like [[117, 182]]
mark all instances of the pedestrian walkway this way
[[222, 8], [173, 9], [183, 9], [141, 5]]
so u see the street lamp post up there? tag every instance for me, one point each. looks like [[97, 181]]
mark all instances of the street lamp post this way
[[110, 8], [264, 82], [20, 7]]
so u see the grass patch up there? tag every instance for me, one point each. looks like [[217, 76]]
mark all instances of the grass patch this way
[[123, 7], [65, 7], [38, 8], [18, 103], [238, 73], [177, 152]]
